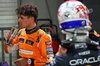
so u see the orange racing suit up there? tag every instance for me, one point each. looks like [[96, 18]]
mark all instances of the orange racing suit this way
[[34, 44]]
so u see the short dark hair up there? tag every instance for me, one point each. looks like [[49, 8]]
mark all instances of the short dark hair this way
[[28, 10]]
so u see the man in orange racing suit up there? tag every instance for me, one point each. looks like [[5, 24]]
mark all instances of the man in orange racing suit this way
[[35, 46]]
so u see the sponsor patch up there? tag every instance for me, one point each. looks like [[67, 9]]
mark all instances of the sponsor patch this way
[[25, 51], [49, 49], [48, 46], [49, 53], [48, 42], [84, 53], [21, 40], [29, 42], [92, 60]]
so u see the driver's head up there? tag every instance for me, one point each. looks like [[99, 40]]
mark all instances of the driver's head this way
[[71, 15]]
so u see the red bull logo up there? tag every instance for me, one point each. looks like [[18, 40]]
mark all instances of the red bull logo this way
[[84, 10]]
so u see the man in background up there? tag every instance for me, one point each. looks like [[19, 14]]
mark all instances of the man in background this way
[[81, 46]]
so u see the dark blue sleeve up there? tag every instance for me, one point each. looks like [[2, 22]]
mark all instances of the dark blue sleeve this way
[[59, 61], [53, 62]]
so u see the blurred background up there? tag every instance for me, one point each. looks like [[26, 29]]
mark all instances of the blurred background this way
[[47, 16]]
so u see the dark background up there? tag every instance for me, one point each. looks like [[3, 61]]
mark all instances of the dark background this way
[[95, 15]]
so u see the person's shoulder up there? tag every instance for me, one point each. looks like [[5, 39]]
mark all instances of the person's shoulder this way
[[23, 29], [62, 57], [44, 34], [41, 32], [20, 31]]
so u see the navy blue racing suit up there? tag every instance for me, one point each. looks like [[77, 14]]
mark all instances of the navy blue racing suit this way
[[86, 56], [77, 57]]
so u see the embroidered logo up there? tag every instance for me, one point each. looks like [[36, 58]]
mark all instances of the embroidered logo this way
[[21, 40], [29, 42]]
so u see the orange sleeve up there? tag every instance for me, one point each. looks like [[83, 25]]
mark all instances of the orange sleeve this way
[[5, 48], [13, 42], [46, 46], [44, 42], [16, 40]]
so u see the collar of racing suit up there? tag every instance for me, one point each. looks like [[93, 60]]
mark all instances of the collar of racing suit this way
[[77, 47], [32, 30]]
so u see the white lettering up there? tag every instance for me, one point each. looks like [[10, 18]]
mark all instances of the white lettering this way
[[85, 60], [79, 61], [84, 53], [73, 62], [25, 51]]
